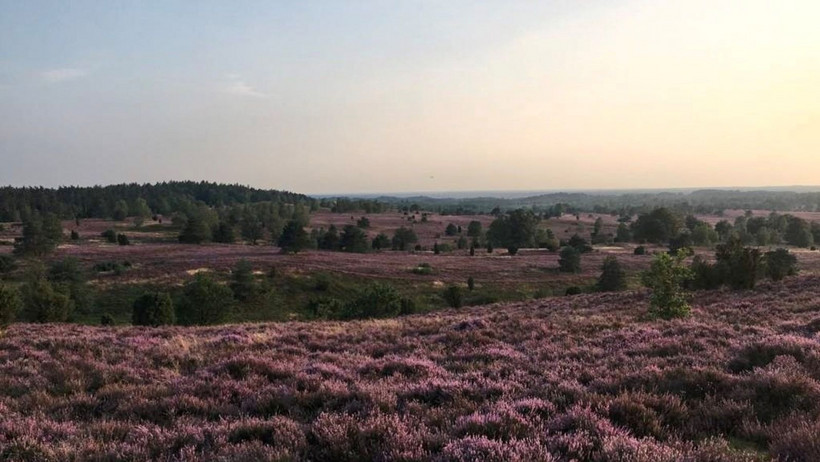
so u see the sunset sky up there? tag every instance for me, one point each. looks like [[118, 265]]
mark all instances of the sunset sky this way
[[434, 95]]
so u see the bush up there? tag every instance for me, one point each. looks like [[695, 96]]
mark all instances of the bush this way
[[10, 304], [75, 236], [640, 250], [243, 283], [116, 267], [512, 250], [470, 283], [739, 266], [570, 260], [106, 320], [403, 238], [666, 278], [451, 230], [110, 236], [43, 303], [779, 264], [294, 238], [705, 276], [122, 239], [7, 264], [489, 248], [612, 277], [453, 296], [380, 242], [573, 290], [153, 309], [374, 301], [204, 301], [363, 223], [408, 306]]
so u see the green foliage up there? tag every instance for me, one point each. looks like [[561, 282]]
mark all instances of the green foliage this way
[[70, 278], [106, 319], [294, 238], [779, 264], [573, 290], [110, 236], [623, 233], [705, 276], [75, 236], [666, 278], [363, 223], [579, 243], [382, 241], [117, 267], [512, 250], [204, 301], [403, 238], [436, 249], [490, 247], [640, 250], [42, 302], [7, 264], [451, 230], [461, 243], [10, 304], [739, 266], [120, 210], [377, 300], [474, 229], [470, 283], [613, 277], [657, 226], [353, 239], [196, 230], [122, 239], [517, 228], [798, 233], [453, 296], [570, 260], [243, 283], [223, 233], [250, 227], [153, 309], [41, 235]]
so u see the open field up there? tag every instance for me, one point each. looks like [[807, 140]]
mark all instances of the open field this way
[[570, 378]]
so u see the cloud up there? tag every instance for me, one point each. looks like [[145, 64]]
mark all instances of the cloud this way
[[62, 75], [239, 87]]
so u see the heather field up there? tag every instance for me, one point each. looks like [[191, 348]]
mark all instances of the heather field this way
[[572, 378]]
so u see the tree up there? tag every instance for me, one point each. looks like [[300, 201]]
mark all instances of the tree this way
[[120, 210], [570, 260], [666, 278], [75, 236], [623, 234], [703, 235], [153, 309], [579, 243], [122, 239], [41, 235], [474, 229], [196, 230], [69, 278], [363, 223], [250, 227], [515, 229], [705, 275], [779, 264], [403, 237], [110, 236], [294, 238], [739, 266], [451, 230], [657, 226], [243, 283], [461, 243], [613, 277], [380, 242], [10, 304], [42, 302], [723, 228], [353, 239], [798, 233], [470, 283], [223, 232], [7, 264], [204, 301], [330, 239]]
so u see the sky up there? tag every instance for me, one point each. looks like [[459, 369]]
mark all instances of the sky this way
[[328, 97]]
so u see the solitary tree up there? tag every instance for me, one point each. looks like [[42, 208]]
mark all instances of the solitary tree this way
[[666, 278], [570, 260], [612, 277], [779, 264]]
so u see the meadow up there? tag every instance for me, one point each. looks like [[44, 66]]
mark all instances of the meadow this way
[[587, 377]]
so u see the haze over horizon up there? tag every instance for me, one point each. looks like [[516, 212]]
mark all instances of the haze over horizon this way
[[379, 97]]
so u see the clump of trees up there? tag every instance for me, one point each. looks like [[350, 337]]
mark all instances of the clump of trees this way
[[403, 238], [41, 235], [515, 229]]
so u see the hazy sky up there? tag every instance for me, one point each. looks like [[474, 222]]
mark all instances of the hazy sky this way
[[380, 96]]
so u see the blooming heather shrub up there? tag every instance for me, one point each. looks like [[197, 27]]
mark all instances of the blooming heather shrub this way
[[587, 378]]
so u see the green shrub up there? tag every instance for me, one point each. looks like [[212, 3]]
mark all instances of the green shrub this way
[[666, 278], [612, 277], [75, 236], [153, 309], [110, 235], [243, 282], [10, 304], [7, 264], [204, 301], [573, 290], [122, 239], [106, 320], [640, 250], [470, 283], [570, 260], [377, 300], [452, 295], [779, 264], [43, 303]]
